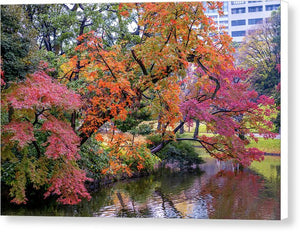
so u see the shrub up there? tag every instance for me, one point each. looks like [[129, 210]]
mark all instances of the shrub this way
[[133, 120], [144, 129], [183, 152], [91, 160], [155, 139], [149, 160]]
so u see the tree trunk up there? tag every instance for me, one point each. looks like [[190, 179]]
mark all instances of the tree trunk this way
[[158, 123], [73, 120], [181, 129], [10, 112], [196, 132], [163, 143]]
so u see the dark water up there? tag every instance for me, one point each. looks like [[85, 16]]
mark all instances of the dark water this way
[[217, 191]]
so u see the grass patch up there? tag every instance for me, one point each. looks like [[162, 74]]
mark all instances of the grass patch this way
[[202, 128], [266, 145], [202, 152], [187, 129], [191, 134]]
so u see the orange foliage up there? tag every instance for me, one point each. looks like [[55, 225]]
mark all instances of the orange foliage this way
[[172, 35]]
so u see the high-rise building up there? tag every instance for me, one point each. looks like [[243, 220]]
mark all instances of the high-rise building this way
[[243, 17]]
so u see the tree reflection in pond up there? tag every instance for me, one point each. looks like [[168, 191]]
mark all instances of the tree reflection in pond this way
[[215, 192], [240, 196]]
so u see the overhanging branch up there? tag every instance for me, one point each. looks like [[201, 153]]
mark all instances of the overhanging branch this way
[[140, 62]]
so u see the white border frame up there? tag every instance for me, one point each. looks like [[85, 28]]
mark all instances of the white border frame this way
[[284, 111], [79, 224]]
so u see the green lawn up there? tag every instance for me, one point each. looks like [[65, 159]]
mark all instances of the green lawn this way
[[267, 145]]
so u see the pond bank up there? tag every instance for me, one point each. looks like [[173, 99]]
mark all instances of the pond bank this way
[[172, 166], [216, 192]]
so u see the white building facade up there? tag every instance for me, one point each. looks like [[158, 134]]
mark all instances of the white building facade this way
[[242, 17], [245, 16]]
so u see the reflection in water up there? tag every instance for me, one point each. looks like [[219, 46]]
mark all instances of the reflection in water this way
[[217, 191]]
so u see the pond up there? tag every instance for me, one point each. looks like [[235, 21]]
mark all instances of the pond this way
[[215, 191]]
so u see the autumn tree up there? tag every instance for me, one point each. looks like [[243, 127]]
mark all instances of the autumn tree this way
[[40, 148], [172, 37], [231, 115], [117, 74], [59, 25], [260, 51]]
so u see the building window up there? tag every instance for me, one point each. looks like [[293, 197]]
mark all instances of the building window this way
[[272, 7], [224, 22], [255, 8], [238, 10], [237, 2], [255, 21], [211, 11], [238, 33], [223, 17], [238, 22]]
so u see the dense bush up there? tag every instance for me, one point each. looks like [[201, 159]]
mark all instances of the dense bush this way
[[155, 139], [94, 162], [183, 152], [91, 160], [143, 129], [132, 120], [149, 161]]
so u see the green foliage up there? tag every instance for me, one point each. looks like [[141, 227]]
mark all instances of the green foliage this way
[[133, 120], [91, 160], [150, 160], [143, 129], [129, 123], [260, 51], [183, 152], [155, 140], [18, 48], [59, 25], [19, 169], [277, 123], [54, 25], [79, 84]]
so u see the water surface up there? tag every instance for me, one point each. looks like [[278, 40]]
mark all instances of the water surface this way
[[216, 191]]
